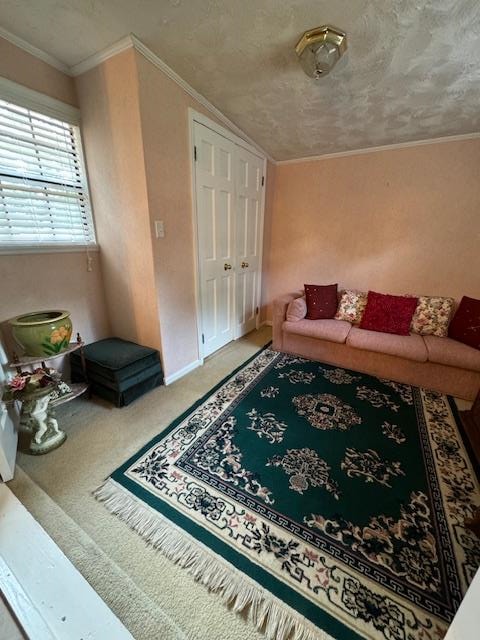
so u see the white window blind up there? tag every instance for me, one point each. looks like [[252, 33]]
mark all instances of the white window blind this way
[[43, 190]]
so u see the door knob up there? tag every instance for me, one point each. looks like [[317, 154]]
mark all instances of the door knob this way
[[244, 265], [227, 266]]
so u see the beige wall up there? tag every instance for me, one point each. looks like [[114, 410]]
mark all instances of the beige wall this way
[[164, 111], [57, 280], [19, 66], [136, 133], [109, 103], [34, 281], [400, 221]]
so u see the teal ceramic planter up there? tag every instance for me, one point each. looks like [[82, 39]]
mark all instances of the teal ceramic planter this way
[[42, 333]]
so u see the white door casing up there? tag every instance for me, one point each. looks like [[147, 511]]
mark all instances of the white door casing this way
[[248, 238], [235, 168], [215, 203]]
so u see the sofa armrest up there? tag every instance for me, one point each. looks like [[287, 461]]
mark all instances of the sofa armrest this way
[[280, 306]]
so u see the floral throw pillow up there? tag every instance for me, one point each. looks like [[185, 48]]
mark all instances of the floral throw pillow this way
[[432, 316], [352, 305]]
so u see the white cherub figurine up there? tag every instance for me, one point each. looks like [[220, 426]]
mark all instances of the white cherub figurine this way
[[36, 390], [39, 414]]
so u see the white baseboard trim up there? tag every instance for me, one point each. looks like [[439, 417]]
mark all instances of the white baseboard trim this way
[[182, 372]]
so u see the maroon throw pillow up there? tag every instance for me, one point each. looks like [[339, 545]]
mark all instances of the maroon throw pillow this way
[[465, 324], [322, 301], [389, 314]]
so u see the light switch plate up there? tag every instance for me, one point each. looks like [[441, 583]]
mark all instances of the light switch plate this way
[[159, 229]]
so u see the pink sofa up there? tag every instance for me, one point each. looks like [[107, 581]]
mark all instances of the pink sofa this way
[[436, 363]]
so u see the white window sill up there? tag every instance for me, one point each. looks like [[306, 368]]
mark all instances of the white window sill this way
[[47, 248]]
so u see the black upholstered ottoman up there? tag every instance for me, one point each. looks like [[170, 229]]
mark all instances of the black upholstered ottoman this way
[[118, 370]]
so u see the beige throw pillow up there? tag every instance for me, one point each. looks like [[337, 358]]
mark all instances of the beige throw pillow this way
[[297, 309]]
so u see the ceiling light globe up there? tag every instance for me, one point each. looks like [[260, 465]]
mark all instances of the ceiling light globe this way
[[320, 49], [326, 56]]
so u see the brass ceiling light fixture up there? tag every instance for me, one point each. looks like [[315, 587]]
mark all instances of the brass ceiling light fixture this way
[[320, 49]]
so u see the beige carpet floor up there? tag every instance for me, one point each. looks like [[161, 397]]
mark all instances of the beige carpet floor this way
[[154, 598]]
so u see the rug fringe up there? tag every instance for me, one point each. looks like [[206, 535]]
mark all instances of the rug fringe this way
[[275, 618]]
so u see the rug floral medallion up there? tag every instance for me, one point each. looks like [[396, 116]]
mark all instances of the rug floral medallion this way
[[342, 494]]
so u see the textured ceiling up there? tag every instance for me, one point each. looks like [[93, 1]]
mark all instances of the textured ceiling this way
[[412, 70]]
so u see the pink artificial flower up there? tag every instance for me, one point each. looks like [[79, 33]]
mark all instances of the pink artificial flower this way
[[18, 383]]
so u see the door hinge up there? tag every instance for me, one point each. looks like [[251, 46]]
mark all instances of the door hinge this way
[[203, 339], [256, 311], [195, 153], [263, 180]]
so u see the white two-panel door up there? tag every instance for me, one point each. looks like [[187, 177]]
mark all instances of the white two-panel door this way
[[215, 195], [228, 192], [248, 240]]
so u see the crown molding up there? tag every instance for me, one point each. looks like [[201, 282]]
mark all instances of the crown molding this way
[[101, 56], [386, 147], [34, 51]]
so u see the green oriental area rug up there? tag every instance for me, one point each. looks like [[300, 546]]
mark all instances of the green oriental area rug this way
[[324, 502]]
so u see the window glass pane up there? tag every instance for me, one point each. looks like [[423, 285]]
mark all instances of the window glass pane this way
[[43, 193]]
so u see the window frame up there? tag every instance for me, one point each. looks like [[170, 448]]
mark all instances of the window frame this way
[[53, 108]]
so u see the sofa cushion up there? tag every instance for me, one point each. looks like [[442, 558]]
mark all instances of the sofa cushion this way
[[297, 309], [452, 353], [388, 314], [322, 300], [411, 347], [332, 330], [465, 325]]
